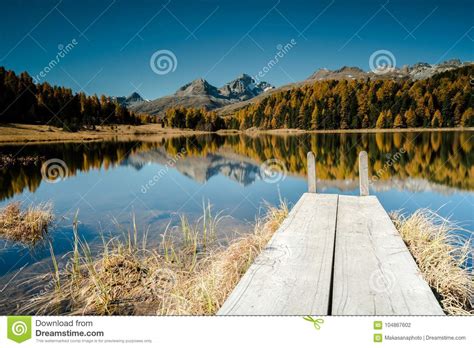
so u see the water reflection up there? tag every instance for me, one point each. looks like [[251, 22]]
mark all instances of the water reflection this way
[[108, 181], [413, 161], [156, 180]]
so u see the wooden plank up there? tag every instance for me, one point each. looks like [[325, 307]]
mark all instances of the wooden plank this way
[[363, 173], [374, 273], [311, 172], [292, 275]]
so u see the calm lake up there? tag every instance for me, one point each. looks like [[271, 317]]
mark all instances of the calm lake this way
[[106, 182]]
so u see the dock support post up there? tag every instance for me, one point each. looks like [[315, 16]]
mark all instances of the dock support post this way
[[311, 172], [363, 173]]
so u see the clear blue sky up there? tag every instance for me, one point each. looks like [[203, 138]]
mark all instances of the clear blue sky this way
[[219, 40]]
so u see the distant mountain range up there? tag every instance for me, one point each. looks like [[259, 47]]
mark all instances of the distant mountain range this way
[[418, 71], [244, 90], [130, 101], [200, 93]]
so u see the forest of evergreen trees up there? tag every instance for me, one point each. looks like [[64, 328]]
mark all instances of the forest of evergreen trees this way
[[198, 119], [444, 100], [23, 101]]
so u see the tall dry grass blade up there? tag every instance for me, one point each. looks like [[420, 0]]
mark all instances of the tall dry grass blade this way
[[188, 275], [442, 257]]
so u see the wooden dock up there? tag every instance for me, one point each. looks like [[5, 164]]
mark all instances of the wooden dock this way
[[334, 255]]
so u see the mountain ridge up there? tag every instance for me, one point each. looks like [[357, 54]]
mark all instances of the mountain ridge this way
[[199, 93], [417, 71], [243, 90]]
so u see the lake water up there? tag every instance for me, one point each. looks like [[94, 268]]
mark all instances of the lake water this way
[[158, 180]]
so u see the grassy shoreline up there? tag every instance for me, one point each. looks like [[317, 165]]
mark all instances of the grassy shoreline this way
[[190, 273], [24, 133], [27, 226], [21, 133], [442, 257]]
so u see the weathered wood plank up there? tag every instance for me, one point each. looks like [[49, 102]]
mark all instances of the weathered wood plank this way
[[374, 273], [363, 173], [292, 275], [311, 172]]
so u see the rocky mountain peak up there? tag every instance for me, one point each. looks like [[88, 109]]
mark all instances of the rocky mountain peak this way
[[135, 97], [201, 94], [132, 100], [452, 63], [420, 71], [197, 87], [244, 87], [244, 77], [349, 69], [344, 73]]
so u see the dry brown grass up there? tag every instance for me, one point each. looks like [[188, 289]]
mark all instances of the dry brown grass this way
[[216, 275], [442, 258], [27, 226], [21, 133], [190, 273]]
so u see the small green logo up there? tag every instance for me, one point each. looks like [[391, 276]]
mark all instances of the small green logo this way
[[316, 322], [377, 325], [378, 338], [19, 328]]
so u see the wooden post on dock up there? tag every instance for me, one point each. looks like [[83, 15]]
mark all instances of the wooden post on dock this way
[[311, 172], [363, 173]]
